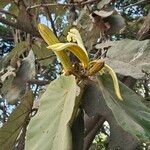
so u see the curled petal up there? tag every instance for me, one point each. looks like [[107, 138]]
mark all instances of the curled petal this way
[[74, 36], [50, 39], [97, 65], [47, 34], [75, 49], [115, 80]]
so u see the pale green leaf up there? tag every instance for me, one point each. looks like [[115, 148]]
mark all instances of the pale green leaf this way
[[129, 57], [103, 3], [10, 131], [50, 128], [16, 52]]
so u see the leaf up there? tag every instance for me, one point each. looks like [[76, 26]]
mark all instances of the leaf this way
[[89, 32], [24, 19], [131, 114], [79, 52], [126, 69], [58, 10], [52, 121], [95, 105], [64, 33], [116, 22], [5, 32], [7, 85], [132, 54], [102, 3], [10, 131], [103, 13], [16, 52]]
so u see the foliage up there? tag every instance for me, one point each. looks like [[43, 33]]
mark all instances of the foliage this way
[[16, 122], [83, 69], [139, 126], [55, 126]]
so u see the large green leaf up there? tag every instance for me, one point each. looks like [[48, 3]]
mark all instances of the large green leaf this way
[[131, 114], [130, 57], [95, 105], [50, 128], [16, 121]]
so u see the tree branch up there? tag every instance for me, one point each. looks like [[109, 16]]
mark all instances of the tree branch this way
[[91, 135], [63, 5], [39, 82], [137, 3], [45, 58], [51, 19], [7, 13], [18, 26]]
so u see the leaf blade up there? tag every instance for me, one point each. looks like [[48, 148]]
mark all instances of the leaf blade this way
[[131, 114], [12, 128], [52, 120]]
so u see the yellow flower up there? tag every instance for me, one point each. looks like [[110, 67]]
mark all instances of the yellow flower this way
[[78, 49], [51, 39]]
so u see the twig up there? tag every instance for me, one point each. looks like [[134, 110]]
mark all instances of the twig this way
[[4, 113], [50, 18], [37, 86], [7, 13], [28, 13], [46, 57], [89, 138], [38, 82], [63, 5], [137, 3], [18, 26]]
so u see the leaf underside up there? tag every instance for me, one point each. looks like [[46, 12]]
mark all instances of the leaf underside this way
[[51, 123], [131, 114]]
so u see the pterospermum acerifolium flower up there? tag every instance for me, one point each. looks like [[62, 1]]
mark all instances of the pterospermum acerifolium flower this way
[[75, 45]]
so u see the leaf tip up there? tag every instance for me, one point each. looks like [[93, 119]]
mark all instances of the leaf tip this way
[[115, 81]]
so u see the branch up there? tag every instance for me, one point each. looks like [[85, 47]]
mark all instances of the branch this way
[[46, 57], [7, 13], [6, 38], [51, 19], [39, 82], [91, 135], [63, 5], [9, 23], [137, 3], [18, 26]]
